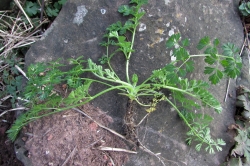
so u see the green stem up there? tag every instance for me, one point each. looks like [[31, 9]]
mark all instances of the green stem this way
[[114, 81], [204, 55], [107, 53], [183, 91], [186, 122], [144, 105], [131, 48]]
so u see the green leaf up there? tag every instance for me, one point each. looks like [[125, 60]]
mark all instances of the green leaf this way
[[78, 94], [208, 70], [52, 12], [211, 59], [190, 66], [244, 8], [243, 144], [31, 8], [232, 66], [114, 34], [182, 72], [185, 42], [115, 26], [139, 2], [216, 42], [135, 79], [127, 26], [198, 147], [103, 59], [62, 2], [211, 50], [125, 10], [230, 50], [203, 42], [181, 54], [216, 76], [173, 40]]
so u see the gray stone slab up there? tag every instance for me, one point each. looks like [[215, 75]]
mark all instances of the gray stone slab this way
[[79, 28]]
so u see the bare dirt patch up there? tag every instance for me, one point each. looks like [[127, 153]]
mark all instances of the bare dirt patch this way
[[7, 153], [69, 138]]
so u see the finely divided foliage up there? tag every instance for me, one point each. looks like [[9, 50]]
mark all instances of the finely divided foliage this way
[[187, 95]]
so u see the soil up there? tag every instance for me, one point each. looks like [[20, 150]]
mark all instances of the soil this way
[[7, 153], [69, 138]]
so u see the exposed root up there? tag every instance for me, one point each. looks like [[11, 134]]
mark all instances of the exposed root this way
[[131, 129], [129, 122]]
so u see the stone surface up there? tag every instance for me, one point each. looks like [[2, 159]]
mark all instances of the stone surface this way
[[79, 28]]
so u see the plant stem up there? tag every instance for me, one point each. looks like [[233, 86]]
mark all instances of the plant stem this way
[[186, 122], [107, 54], [204, 55], [183, 91], [131, 48]]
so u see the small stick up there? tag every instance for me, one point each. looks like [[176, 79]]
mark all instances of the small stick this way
[[228, 83], [22, 72], [121, 136], [71, 154], [243, 45], [21, 8], [104, 148], [14, 109], [152, 153], [41, 15], [94, 142], [113, 163], [100, 125], [143, 119], [5, 98]]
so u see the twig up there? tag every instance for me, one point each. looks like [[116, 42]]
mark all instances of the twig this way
[[5, 98], [41, 15], [71, 154], [121, 136], [4, 67], [19, 98], [21, 8], [143, 119], [156, 155], [243, 45], [113, 163], [228, 83], [14, 109], [21, 71], [104, 148], [100, 125], [94, 143]]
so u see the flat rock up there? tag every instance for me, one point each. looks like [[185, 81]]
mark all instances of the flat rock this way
[[78, 30]]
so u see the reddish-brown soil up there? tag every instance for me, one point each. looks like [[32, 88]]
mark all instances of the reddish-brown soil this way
[[69, 138]]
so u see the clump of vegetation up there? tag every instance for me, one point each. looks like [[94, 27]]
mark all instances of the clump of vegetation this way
[[245, 8], [242, 147], [241, 152], [51, 8], [20, 26], [43, 77]]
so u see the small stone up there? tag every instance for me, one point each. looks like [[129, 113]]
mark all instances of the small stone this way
[[50, 137], [24, 139], [50, 164]]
